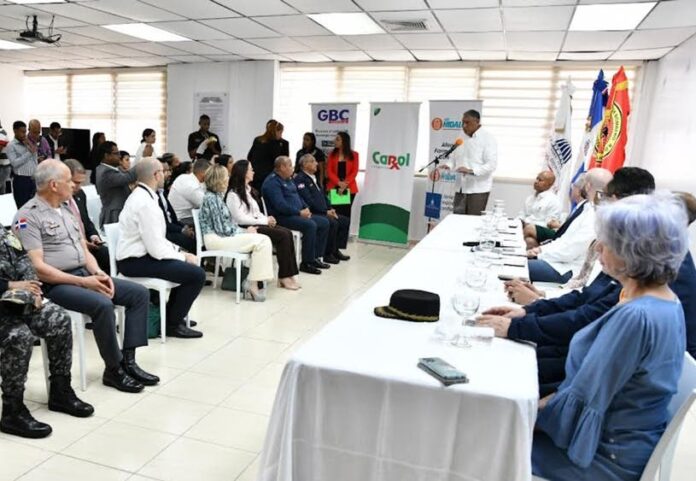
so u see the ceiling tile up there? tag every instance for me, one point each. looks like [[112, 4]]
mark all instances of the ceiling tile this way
[[678, 13], [482, 55], [141, 62], [156, 48], [134, 9], [308, 57], [228, 57], [528, 3], [592, 41], [376, 5], [348, 56], [391, 55], [435, 55], [102, 35], [267, 56], [114, 50], [375, 42], [470, 20], [435, 4], [531, 41], [478, 41], [293, 25], [537, 18], [241, 27], [585, 55], [424, 41], [189, 58], [199, 48], [258, 7], [642, 39], [413, 16], [68, 14], [237, 47], [19, 22], [591, 2], [280, 45], [323, 6], [97, 63], [326, 42], [192, 9], [644, 54], [533, 56], [69, 38], [192, 30]]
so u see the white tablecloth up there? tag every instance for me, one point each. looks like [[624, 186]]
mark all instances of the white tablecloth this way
[[353, 406]]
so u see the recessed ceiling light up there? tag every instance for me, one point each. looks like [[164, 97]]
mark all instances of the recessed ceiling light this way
[[25, 2], [347, 23], [615, 16], [5, 45], [146, 32]]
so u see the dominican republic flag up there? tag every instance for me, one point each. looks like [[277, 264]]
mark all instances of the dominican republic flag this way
[[20, 224], [559, 153]]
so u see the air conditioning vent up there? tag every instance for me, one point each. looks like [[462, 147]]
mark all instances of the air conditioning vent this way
[[406, 25]]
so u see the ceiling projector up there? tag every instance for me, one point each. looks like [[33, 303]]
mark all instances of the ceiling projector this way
[[33, 35]]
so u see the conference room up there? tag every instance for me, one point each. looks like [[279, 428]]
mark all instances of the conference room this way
[[289, 240]]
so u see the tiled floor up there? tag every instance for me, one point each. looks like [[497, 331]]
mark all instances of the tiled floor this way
[[207, 419]]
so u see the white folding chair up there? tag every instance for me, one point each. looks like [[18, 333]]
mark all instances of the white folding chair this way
[[163, 287], [659, 465], [296, 237], [238, 257], [94, 205], [90, 191], [8, 209]]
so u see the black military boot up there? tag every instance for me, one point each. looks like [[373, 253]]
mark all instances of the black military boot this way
[[136, 372], [63, 399], [17, 420]]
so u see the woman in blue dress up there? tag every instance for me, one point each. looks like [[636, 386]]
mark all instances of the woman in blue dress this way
[[622, 370]]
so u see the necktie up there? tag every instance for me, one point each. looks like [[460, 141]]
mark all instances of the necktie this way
[[574, 215], [163, 206], [78, 217]]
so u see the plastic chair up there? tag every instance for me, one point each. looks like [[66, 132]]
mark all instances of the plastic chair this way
[[238, 257], [112, 233], [8, 209], [296, 237]]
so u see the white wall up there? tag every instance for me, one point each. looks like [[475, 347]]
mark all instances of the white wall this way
[[12, 93], [250, 86]]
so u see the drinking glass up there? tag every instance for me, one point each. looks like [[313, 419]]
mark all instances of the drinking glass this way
[[476, 278], [465, 302]]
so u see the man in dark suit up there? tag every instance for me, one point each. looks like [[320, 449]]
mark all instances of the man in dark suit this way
[[178, 233], [113, 184], [58, 150], [312, 192], [78, 205]]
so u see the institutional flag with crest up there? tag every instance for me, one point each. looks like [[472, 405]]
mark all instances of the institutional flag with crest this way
[[610, 147]]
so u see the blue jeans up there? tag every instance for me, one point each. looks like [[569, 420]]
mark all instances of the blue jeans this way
[[541, 271]]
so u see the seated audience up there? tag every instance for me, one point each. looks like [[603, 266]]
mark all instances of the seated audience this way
[[147, 146], [113, 184], [226, 161], [72, 278], [78, 206], [144, 251], [559, 259], [220, 232], [309, 146], [180, 169], [24, 158], [17, 334], [541, 207], [535, 235], [182, 235], [125, 164], [287, 207], [623, 369], [243, 202], [312, 192], [171, 159], [342, 168], [186, 192]]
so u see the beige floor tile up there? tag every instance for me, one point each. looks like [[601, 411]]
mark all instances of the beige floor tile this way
[[269, 377], [258, 400], [164, 413], [107, 401], [201, 388], [64, 468], [274, 332], [251, 472], [230, 428], [254, 349], [188, 459], [17, 459], [230, 364], [121, 446]]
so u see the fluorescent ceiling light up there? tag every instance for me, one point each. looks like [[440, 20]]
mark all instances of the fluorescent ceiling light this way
[[5, 45], [25, 2], [146, 32], [615, 16], [347, 23]]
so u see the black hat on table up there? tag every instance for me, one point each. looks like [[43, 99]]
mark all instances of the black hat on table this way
[[411, 305]]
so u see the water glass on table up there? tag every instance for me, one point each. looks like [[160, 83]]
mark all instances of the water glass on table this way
[[465, 302]]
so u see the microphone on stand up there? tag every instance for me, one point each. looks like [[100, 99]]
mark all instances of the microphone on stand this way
[[456, 144]]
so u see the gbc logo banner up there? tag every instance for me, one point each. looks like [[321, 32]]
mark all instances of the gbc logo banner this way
[[391, 161], [334, 116]]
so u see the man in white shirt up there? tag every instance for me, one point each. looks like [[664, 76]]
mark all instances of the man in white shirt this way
[[144, 251], [558, 260], [543, 206], [475, 161], [188, 190]]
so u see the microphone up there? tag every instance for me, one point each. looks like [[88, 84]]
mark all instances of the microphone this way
[[456, 144]]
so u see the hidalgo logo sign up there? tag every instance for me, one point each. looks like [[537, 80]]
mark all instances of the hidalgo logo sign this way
[[390, 161], [448, 124], [334, 116]]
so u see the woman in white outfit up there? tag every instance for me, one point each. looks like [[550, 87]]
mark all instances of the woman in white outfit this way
[[147, 146]]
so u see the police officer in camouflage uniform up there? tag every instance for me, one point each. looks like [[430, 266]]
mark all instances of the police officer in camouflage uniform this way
[[23, 315]]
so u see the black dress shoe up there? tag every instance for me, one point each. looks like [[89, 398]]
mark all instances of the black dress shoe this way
[[341, 256], [62, 399], [309, 268], [17, 420], [192, 323], [321, 265], [183, 332], [331, 260], [117, 378], [136, 372]]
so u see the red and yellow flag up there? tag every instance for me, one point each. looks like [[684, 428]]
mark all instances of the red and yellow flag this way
[[610, 148]]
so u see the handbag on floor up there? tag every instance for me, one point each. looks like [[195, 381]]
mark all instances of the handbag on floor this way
[[153, 321], [229, 278]]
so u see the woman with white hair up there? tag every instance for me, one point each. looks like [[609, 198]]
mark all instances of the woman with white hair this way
[[622, 370]]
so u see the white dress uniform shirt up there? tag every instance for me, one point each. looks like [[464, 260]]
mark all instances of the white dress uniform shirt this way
[[567, 253], [186, 194], [143, 228], [242, 214], [139, 153], [540, 208], [479, 153]]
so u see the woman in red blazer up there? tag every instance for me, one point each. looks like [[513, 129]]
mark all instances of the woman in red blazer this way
[[341, 171]]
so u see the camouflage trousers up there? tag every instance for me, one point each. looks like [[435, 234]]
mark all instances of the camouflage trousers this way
[[17, 341]]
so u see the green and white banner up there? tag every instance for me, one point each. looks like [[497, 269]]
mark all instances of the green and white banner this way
[[391, 159]]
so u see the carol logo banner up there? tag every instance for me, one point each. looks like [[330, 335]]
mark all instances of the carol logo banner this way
[[391, 161]]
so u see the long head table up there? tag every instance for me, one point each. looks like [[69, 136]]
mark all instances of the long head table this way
[[353, 406]]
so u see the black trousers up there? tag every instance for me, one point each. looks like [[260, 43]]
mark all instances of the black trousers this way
[[182, 240], [345, 209], [23, 189], [191, 279], [284, 246], [101, 254], [338, 234], [100, 308]]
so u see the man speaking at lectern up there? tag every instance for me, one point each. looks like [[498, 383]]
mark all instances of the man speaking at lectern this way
[[475, 161]]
